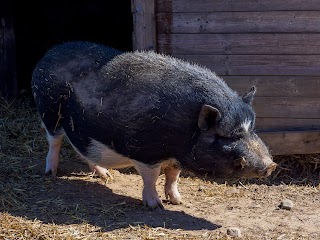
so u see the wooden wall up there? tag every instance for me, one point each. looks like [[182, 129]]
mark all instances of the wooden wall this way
[[272, 44], [8, 75]]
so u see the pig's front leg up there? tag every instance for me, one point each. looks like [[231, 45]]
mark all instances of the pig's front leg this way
[[172, 171], [149, 176]]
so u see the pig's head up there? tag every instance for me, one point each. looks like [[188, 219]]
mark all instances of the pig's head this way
[[227, 145]]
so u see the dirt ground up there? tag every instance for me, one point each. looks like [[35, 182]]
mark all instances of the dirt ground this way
[[78, 205]]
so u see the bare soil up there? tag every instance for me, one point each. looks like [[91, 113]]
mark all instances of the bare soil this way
[[78, 205]]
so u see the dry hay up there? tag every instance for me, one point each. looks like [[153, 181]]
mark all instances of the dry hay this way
[[21, 140], [20, 228], [297, 169], [23, 146], [17, 141]]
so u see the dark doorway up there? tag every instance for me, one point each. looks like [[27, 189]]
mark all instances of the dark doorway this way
[[39, 25]]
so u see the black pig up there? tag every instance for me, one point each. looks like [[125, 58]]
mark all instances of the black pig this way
[[146, 110]]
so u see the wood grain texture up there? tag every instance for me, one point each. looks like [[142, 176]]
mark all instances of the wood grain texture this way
[[263, 43], [239, 22], [292, 142], [8, 75], [275, 65], [235, 5], [287, 107], [276, 86], [288, 124], [144, 32]]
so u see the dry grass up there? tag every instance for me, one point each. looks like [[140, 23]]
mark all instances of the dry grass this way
[[22, 143], [17, 142], [21, 140]]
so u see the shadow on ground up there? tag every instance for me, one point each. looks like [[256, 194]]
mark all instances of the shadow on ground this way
[[71, 200]]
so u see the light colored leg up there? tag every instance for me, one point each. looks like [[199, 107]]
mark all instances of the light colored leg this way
[[101, 171], [172, 171], [149, 176], [52, 160]]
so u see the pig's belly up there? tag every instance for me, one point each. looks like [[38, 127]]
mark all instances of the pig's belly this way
[[102, 155]]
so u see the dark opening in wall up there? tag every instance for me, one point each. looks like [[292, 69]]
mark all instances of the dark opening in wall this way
[[39, 25]]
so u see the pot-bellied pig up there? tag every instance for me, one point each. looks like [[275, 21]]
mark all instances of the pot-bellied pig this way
[[149, 111]]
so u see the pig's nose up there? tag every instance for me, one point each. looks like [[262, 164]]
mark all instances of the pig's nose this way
[[268, 170], [271, 168]]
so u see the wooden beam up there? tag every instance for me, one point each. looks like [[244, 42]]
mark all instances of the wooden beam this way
[[276, 86], [144, 27], [236, 5], [288, 124], [292, 142], [239, 22], [287, 107], [275, 65], [244, 43]]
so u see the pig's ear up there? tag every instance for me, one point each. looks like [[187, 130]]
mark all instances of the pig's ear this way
[[248, 97], [208, 117]]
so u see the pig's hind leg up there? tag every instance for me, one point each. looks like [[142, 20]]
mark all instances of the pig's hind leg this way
[[149, 176], [52, 159], [171, 169], [101, 171]]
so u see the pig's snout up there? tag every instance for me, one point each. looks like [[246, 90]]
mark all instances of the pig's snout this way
[[254, 170], [268, 170]]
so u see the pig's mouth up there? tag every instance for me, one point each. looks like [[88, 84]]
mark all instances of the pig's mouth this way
[[257, 173], [267, 171], [247, 170]]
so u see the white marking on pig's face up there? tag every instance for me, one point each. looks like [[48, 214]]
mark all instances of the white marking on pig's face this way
[[246, 125]]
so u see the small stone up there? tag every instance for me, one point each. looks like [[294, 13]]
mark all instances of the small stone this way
[[187, 205], [232, 191], [234, 232], [286, 204], [255, 206]]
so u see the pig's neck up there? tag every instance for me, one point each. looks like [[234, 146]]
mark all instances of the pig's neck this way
[[188, 158]]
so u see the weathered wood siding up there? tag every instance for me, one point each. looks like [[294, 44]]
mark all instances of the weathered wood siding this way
[[272, 44], [144, 27], [8, 76]]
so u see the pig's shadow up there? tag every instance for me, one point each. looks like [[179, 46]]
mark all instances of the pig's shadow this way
[[74, 201]]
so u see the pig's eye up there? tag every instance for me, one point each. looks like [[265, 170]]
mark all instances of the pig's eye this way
[[222, 138], [240, 133], [218, 136]]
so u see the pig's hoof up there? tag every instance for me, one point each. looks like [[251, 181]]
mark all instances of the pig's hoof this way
[[100, 171], [173, 194], [174, 197], [50, 173], [105, 174], [153, 206], [152, 201]]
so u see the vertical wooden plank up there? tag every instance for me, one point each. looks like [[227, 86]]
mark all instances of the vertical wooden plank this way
[[8, 76], [144, 30]]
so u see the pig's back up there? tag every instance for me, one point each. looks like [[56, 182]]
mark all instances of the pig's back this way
[[71, 62]]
